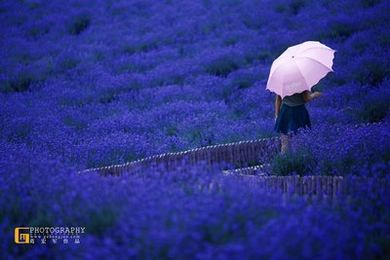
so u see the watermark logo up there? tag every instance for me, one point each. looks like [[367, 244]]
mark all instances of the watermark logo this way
[[22, 235], [45, 235]]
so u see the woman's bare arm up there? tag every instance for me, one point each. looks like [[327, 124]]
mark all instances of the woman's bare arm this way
[[308, 95], [278, 101]]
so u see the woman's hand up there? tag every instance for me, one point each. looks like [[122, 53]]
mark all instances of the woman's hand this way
[[316, 94], [308, 95]]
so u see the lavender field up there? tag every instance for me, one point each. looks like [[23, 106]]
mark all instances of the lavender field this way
[[87, 84]]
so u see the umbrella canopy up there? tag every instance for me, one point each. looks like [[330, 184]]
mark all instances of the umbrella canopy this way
[[299, 68]]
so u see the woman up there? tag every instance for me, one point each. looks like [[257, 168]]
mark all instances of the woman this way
[[291, 114]]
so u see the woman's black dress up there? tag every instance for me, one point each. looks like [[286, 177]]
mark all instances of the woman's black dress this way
[[292, 115]]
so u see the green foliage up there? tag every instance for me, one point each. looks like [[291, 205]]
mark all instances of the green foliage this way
[[19, 83], [371, 70], [38, 31], [243, 80], [42, 218], [209, 28], [280, 8], [171, 130], [370, 3], [300, 162], [115, 155], [230, 40], [252, 21], [340, 29], [78, 24], [21, 132], [75, 101], [223, 65], [172, 79], [258, 54], [29, 77], [293, 7], [139, 46], [240, 80], [101, 219], [374, 109], [296, 6], [108, 96], [32, 4], [75, 123], [199, 137], [67, 63]]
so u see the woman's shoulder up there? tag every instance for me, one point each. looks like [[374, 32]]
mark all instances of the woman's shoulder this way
[[304, 93]]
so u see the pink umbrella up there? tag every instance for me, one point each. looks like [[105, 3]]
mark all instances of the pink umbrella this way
[[299, 68]]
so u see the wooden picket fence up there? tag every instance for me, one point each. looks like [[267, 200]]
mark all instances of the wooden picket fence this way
[[247, 159], [237, 155], [322, 186], [231, 155]]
